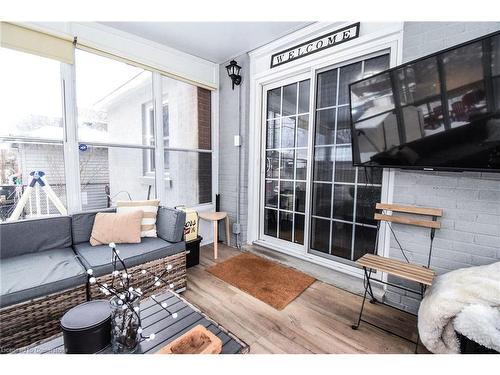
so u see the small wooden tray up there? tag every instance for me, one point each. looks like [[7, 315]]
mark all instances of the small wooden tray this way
[[197, 340]]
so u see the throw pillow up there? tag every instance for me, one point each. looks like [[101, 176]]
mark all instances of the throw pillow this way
[[117, 228], [150, 209]]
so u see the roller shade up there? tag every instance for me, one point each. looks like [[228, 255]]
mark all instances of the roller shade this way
[[35, 42], [86, 47]]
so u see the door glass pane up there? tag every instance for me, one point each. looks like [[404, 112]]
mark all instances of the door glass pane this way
[[341, 239], [272, 164], [375, 65], [343, 125], [325, 127], [300, 197], [290, 100], [301, 164], [270, 222], [286, 163], [355, 192], [343, 202], [323, 163], [364, 241], [299, 229], [274, 103], [344, 170], [327, 89], [288, 132], [320, 233], [367, 198], [304, 95], [302, 130], [271, 193], [273, 134], [286, 226], [286, 195], [348, 74], [322, 197]]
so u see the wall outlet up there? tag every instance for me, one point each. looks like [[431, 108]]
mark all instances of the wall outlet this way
[[236, 228]]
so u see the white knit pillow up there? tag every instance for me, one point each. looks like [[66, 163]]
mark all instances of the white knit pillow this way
[[150, 209]]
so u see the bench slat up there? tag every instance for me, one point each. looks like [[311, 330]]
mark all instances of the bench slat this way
[[407, 220], [398, 268], [410, 209]]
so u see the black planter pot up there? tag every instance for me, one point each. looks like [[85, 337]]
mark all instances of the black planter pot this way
[[87, 327], [467, 346]]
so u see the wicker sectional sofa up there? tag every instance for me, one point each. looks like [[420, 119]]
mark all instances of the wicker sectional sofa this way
[[43, 265]]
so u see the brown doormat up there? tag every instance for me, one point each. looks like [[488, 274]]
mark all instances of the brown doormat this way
[[268, 281]]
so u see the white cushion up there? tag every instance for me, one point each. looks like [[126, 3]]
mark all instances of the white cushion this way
[[150, 209]]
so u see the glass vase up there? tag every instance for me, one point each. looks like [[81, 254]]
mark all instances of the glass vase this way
[[124, 325]]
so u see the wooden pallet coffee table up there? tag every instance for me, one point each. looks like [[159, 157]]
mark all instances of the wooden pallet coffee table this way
[[156, 320]]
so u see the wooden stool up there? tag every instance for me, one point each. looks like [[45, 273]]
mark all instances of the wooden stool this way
[[215, 217]]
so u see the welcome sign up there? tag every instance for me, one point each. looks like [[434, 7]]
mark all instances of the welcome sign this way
[[331, 39]]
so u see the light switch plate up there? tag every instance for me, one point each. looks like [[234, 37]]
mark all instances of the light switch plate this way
[[237, 140]]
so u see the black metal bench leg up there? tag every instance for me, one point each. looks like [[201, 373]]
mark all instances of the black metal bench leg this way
[[370, 291], [356, 326]]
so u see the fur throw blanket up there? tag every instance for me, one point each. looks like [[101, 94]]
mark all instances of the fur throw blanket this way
[[457, 296]]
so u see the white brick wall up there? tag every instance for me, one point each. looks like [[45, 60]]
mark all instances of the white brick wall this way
[[470, 233], [228, 153]]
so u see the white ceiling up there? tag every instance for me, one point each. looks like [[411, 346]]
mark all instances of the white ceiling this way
[[214, 41]]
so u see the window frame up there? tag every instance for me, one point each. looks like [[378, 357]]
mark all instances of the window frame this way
[[71, 143], [150, 157]]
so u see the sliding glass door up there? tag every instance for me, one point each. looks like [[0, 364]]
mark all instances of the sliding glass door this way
[[343, 196], [286, 146], [312, 195]]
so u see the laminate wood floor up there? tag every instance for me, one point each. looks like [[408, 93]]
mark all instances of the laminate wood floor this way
[[318, 321]]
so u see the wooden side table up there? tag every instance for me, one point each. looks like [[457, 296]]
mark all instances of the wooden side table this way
[[214, 217]]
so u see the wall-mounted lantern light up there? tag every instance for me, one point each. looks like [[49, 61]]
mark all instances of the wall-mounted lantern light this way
[[233, 70]]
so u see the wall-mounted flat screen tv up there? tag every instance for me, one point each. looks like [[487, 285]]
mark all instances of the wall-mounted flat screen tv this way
[[440, 112]]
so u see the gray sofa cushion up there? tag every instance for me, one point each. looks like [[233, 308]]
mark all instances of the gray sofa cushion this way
[[34, 235], [82, 223], [39, 274], [170, 224], [99, 257]]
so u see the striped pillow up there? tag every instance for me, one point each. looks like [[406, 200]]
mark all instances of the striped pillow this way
[[150, 209]]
